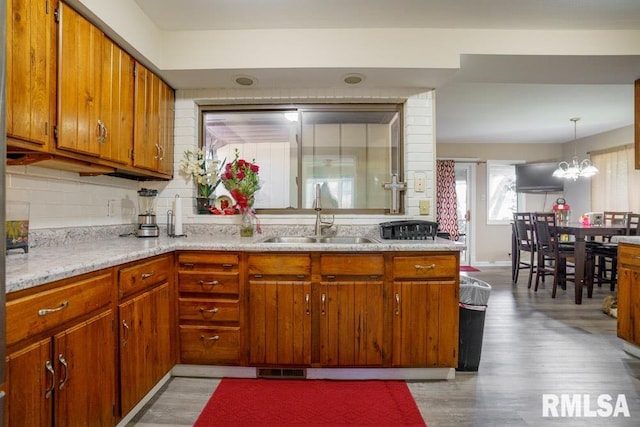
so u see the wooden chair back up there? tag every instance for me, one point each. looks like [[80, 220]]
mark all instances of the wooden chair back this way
[[614, 217], [632, 224]]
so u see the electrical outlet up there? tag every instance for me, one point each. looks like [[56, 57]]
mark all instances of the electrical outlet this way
[[425, 207], [419, 183]]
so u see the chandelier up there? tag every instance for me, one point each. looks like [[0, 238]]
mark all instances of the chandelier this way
[[575, 169]]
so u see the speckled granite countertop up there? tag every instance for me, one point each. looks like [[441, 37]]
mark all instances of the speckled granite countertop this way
[[49, 263]]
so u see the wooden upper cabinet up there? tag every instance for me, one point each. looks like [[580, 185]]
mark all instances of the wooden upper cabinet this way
[[30, 71], [95, 91], [80, 125], [637, 122], [153, 136], [117, 104]]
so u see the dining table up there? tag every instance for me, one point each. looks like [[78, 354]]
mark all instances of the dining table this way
[[582, 233]]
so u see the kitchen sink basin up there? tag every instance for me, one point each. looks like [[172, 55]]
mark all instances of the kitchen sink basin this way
[[290, 239], [345, 239], [312, 239]]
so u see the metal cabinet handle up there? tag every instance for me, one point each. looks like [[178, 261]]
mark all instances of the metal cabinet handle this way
[[323, 299], [213, 338], [147, 275], [227, 265], [159, 152], [397, 304], [126, 334], [210, 283], [102, 132], [188, 265], [64, 380], [49, 367], [306, 301], [45, 311], [212, 310], [425, 267]]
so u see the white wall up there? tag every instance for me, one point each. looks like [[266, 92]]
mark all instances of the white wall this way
[[64, 199]]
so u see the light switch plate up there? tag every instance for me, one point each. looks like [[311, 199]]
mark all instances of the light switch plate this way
[[419, 183], [425, 207]]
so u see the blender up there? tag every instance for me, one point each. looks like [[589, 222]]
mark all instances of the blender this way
[[147, 226]]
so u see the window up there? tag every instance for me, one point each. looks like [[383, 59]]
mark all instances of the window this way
[[502, 199], [350, 150]]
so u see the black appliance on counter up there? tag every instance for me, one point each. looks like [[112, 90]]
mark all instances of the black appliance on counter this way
[[409, 230]]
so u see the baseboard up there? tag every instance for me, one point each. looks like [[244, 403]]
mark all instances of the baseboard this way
[[127, 419], [631, 349], [205, 371]]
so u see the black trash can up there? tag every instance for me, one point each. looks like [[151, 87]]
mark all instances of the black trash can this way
[[474, 296]]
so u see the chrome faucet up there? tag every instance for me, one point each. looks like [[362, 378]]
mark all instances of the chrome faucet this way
[[317, 206]]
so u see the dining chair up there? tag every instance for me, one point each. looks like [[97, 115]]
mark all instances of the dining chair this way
[[605, 270], [525, 244], [553, 254]]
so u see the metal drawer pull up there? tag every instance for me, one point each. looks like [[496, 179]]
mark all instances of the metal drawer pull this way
[[45, 311], [425, 267], [213, 310], [49, 367], [188, 265], [635, 257], [227, 265], [397, 304], [213, 338], [126, 334], [147, 275], [211, 283], [63, 362], [306, 300], [323, 298]]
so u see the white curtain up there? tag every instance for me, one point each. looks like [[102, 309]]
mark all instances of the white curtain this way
[[616, 187]]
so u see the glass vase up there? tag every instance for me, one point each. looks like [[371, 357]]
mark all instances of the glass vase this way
[[246, 223]]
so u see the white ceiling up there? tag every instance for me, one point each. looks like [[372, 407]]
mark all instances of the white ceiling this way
[[508, 98]]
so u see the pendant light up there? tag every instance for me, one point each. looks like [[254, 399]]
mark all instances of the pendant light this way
[[575, 169]]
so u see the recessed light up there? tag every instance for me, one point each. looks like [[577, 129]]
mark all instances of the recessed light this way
[[245, 80], [353, 79]]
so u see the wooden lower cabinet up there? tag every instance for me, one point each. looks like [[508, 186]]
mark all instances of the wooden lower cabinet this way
[[145, 343], [146, 327], [60, 365], [629, 293], [210, 312], [425, 311], [279, 309], [352, 310], [66, 380]]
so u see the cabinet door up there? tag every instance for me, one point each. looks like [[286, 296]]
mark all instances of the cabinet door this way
[[425, 323], [30, 381], [80, 61], [165, 138], [30, 88], [146, 353], [629, 305], [84, 357], [146, 107], [280, 322], [351, 325], [117, 104]]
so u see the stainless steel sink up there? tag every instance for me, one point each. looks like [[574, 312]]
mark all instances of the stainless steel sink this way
[[312, 239], [345, 239]]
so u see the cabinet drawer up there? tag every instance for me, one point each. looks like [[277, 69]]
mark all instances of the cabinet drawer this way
[[204, 345], [280, 265], [208, 283], [143, 275], [37, 313], [209, 261], [345, 265], [209, 310], [428, 266], [629, 255]]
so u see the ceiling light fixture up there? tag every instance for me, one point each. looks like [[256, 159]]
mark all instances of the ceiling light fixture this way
[[245, 80], [575, 169], [353, 79]]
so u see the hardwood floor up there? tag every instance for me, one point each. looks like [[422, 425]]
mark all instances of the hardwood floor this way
[[533, 345]]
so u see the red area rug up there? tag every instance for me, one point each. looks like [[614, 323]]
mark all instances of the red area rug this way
[[276, 402], [468, 268]]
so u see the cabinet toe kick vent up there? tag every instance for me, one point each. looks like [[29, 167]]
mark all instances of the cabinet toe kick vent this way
[[299, 373]]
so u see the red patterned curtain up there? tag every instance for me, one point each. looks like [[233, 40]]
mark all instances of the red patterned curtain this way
[[446, 204]]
